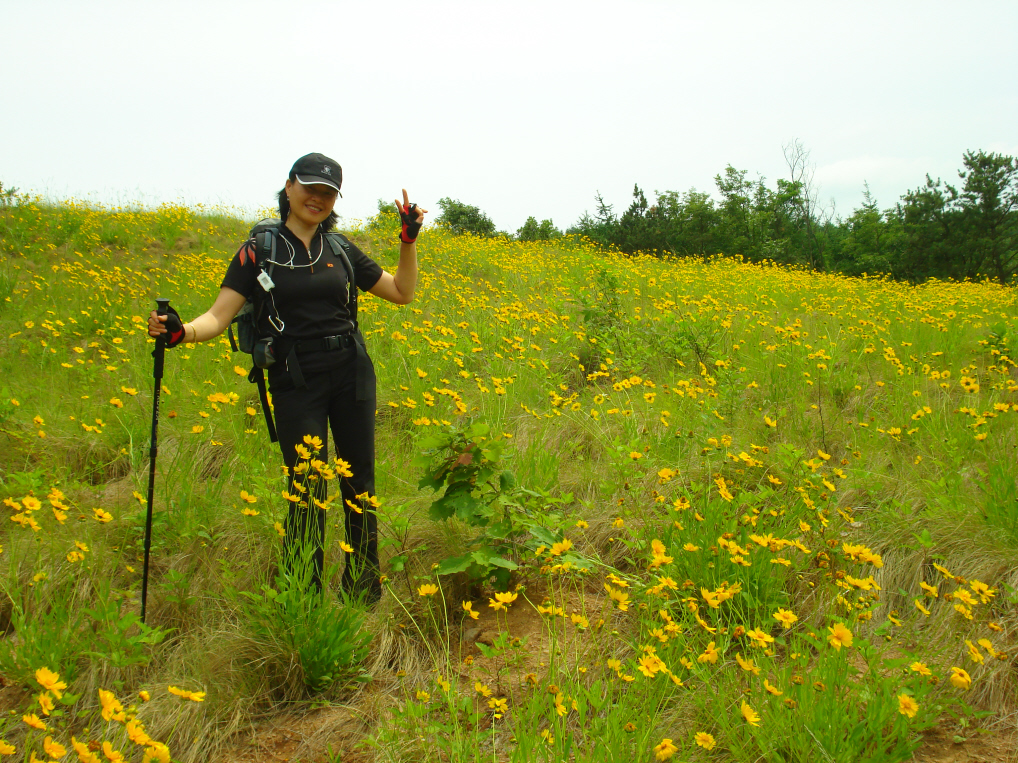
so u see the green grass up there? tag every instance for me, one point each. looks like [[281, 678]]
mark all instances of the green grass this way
[[728, 408]]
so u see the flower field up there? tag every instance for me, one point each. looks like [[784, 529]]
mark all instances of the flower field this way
[[630, 509]]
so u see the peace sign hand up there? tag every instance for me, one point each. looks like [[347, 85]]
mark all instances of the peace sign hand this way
[[412, 218]]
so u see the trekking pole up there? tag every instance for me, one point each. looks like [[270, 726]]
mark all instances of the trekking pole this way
[[157, 371]]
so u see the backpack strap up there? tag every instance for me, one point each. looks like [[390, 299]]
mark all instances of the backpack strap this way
[[265, 252], [258, 377], [341, 248]]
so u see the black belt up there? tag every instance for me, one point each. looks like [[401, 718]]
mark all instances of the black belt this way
[[365, 375], [326, 343]]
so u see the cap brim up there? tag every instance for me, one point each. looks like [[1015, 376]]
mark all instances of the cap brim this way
[[317, 180]]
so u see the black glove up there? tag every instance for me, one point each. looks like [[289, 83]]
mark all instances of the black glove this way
[[174, 328], [411, 227]]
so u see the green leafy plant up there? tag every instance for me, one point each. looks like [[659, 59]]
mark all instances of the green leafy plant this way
[[463, 464], [119, 636]]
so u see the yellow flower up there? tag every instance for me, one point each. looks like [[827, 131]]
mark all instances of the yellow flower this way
[[666, 749], [785, 617], [920, 668], [156, 753], [561, 547], [110, 704], [705, 740], [747, 665], [840, 636], [101, 516], [84, 754], [50, 681], [772, 689], [759, 638], [468, 607], [7, 749], [482, 689], [53, 749], [752, 717], [314, 441], [986, 644], [246, 496], [505, 598], [346, 547], [961, 678], [560, 706], [650, 664], [907, 705], [115, 756], [46, 703], [144, 695], [984, 592], [194, 696], [34, 721], [428, 589], [710, 654], [974, 654]]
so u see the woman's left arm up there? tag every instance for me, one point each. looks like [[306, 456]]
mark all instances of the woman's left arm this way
[[399, 287]]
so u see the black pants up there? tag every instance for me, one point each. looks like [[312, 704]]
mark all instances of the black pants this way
[[329, 400]]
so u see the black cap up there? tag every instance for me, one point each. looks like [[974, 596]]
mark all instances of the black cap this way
[[314, 169]]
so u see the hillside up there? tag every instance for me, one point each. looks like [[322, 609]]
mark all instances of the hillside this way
[[721, 510]]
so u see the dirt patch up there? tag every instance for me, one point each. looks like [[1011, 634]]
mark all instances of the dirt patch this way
[[307, 737], [948, 743]]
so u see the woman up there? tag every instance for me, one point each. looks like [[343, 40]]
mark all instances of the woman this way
[[322, 376]]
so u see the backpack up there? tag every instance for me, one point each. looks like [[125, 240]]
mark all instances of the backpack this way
[[250, 337]]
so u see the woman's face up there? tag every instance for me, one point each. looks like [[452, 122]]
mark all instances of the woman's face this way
[[311, 204]]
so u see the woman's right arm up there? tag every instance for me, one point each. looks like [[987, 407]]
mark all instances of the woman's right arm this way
[[207, 325]]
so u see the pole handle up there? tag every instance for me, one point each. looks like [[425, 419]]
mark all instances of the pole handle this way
[[162, 308]]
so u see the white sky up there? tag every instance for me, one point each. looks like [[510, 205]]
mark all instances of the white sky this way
[[521, 108]]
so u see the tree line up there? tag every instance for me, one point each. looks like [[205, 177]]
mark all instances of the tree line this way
[[938, 230]]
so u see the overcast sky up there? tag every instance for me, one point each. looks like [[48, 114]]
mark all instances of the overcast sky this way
[[521, 108]]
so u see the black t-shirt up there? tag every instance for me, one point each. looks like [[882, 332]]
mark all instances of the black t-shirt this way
[[310, 295]]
